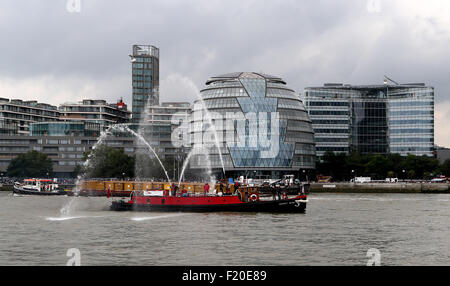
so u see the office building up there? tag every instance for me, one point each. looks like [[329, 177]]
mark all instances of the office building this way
[[275, 136], [372, 119]]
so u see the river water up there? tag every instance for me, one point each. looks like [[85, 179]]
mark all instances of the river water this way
[[337, 229]]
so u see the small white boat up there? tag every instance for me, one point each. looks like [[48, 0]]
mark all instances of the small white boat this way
[[43, 187]]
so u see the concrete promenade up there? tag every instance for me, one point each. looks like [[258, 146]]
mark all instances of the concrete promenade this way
[[400, 187]]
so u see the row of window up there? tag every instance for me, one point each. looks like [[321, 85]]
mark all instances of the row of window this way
[[328, 103], [328, 121], [411, 130], [283, 93], [412, 140], [326, 130], [411, 149], [333, 149], [411, 112], [29, 110], [142, 65], [142, 72], [140, 84], [328, 112], [143, 59], [410, 103], [223, 92], [221, 103], [290, 103], [145, 91], [412, 121], [332, 139]]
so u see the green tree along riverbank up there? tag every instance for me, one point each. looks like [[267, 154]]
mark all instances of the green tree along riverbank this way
[[31, 164], [343, 167], [109, 162]]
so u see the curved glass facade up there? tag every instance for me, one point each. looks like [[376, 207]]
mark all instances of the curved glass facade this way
[[259, 124]]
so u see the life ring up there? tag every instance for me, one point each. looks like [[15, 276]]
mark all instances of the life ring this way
[[254, 197], [284, 196]]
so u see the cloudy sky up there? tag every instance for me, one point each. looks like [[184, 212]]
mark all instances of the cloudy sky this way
[[55, 52]]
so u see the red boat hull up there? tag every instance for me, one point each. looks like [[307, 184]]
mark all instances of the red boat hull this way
[[210, 204]]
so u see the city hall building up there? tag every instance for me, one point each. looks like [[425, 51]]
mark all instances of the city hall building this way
[[370, 119], [271, 136]]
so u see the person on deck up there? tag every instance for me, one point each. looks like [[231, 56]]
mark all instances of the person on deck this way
[[206, 188], [172, 190]]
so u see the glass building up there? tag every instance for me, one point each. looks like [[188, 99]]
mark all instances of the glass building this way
[[71, 128], [251, 124], [370, 119], [145, 79]]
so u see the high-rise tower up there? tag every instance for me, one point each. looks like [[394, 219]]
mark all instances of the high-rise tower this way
[[145, 78]]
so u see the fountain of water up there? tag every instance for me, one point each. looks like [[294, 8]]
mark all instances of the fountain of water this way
[[195, 148], [68, 207], [124, 128]]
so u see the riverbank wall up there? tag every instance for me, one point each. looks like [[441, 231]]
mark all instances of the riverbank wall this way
[[430, 188]]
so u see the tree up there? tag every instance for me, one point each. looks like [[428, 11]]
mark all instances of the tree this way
[[108, 162], [341, 166], [32, 164], [445, 168]]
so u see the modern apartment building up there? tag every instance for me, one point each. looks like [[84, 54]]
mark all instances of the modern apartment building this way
[[372, 118], [66, 152], [95, 111], [16, 115], [145, 79]]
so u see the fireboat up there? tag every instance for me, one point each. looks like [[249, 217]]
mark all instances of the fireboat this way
[[282, 196]]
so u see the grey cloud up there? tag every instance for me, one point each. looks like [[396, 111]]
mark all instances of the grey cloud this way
[[305, 42]]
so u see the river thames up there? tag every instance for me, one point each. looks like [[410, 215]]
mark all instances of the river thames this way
[[337, 229]]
